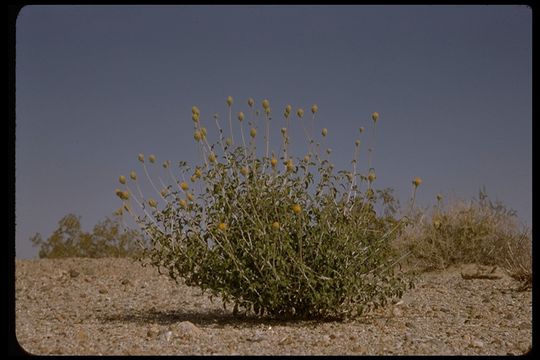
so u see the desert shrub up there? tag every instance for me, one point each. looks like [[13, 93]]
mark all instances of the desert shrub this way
[[476, 231], [107, 239], [273, 234]]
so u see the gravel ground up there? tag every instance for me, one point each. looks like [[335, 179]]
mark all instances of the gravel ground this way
[[116, 306]]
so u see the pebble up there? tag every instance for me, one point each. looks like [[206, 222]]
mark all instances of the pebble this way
[[153, 331], [102, 291], [73, 273], [186, 329], [286, 340], [477, 343]]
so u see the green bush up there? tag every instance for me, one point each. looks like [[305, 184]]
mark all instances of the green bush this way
[[277, 235], [477, 231], [108, 239]]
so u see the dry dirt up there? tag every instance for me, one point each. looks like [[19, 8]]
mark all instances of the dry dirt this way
[[116, 306]]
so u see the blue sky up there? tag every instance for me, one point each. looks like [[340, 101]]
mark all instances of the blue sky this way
[[96, 85]]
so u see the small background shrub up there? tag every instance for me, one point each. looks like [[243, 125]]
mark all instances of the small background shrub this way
[[477, 231], [107, 239]]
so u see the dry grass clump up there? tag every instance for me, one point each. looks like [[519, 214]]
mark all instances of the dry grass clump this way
[[476, 231]]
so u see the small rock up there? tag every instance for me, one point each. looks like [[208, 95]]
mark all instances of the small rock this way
[[152, 332], [73, 273], [477, 343], [410, 325], [359, 349], [82, 336], [125, 282], [186, 329], [167, 335], [256, 338], [102, 291], [286, 340]]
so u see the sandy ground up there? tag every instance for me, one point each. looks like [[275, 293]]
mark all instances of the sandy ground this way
[[116, 306]]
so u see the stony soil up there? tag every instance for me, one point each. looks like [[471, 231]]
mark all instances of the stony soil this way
[[116, 306]]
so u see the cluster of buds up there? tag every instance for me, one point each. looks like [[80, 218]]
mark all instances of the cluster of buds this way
[[195, 114]]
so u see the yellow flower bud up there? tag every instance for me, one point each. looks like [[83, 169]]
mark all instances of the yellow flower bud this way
[[436, 224], [357, 142], [184, 186], [253, 132], [283, 131], [222, 226], [273, 162], [197, 135], [371, 177], [133, 175], [193, 178], [229, 100], [265, 104], [198, 172], [275, 225], [195, 117], [195, 110], [314, 108], [361, 129], [290, 165], [417, 181], [300, 113], [288, 109], [165, 164], [244, 171], [306, 158], [124, 195], [122, 179], [228, 141], [152, 158], [141, 158], [182, 203], [152, 203], [375, 116], [241, 116], [212, 157], [296, 208], [251, 102], [164, 192], [189, 196], [324, 131]]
